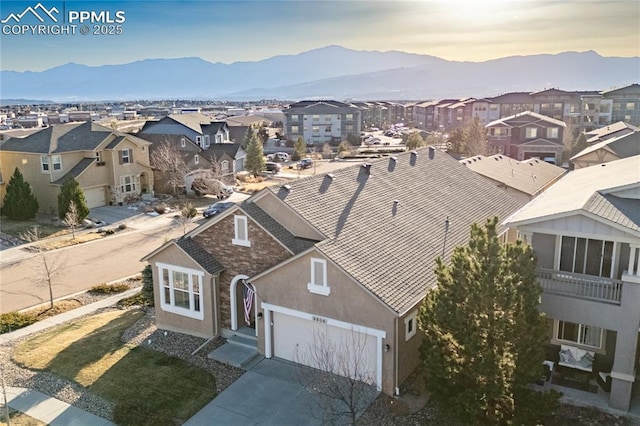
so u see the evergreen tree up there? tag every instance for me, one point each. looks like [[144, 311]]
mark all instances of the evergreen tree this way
[[483, 333], [71, 191], [414, 141], [300, 149], [255, 155], [19, 202], [147, 284], [455, 143]]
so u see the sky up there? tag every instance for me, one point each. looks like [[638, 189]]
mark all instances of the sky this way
[[231, 31]]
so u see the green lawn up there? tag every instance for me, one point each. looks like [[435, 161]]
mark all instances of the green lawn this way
[[148, 387]]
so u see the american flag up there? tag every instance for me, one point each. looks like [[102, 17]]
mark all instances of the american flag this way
[[248, 302]]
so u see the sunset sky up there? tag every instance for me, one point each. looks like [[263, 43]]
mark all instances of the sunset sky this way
[[217, 31]]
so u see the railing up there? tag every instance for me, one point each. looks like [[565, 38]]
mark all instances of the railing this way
[[589, 287]]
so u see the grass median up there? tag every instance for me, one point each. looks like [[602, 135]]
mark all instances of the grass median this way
[[147, 387]]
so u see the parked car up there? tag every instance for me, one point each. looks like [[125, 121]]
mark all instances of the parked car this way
[[281, 156], [216, 208], [305, 163], [271, 166]]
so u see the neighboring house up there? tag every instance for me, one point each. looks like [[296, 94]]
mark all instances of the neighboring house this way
[[350, 254], [110, 166], [600, 134], [585, 231], [613, 148], [229, 156], [527, 135], [523, 179], [239, 125], [192, 155], [320, 122], [626, 103], [198, 127]]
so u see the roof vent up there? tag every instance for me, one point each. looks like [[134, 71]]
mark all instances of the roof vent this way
[[331, 176], [394, 158], [396, 202], [287, 187], [367, 168], [432, 152], [414, 152]]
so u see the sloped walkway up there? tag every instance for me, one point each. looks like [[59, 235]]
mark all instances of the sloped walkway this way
[[50, 410]]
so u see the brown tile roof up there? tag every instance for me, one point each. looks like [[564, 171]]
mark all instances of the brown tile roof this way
[[385, 225], [530, 176]]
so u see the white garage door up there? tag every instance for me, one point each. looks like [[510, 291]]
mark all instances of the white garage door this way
[[351, 353], [95, 197]]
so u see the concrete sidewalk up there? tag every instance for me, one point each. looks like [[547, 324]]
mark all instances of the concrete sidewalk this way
[[50, 410]]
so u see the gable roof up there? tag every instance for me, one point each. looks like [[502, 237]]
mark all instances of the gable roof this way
[[533, 116], [390, 247], [193, 120], [529, 176], [612, 130], [231, 149], [591, 190], [623, 146], [199, 255]]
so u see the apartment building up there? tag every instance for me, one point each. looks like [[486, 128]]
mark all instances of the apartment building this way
[[320, 122]]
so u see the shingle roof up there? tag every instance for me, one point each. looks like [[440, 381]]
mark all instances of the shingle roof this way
[[528, 114], [200, 255], [81, 138], [625, 145], [529, 176], [389, 247], [114, 142], [609, 131], [577, 190], [224, 148], [296, 245], [193, 120], [60, 138], [76, 170]]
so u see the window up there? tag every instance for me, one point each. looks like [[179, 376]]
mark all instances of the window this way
[[316, 117], [183, 142], [327, 129], [295, 129], [318, 282], [128, 184], [579, 333], [99, 156], [294, 117], [44, 160], [241, 232], [552, 132], [207, 141], [349, 128], [315, 129], [327, 118], [199, 140], [531, 132], [55, 162], [126, 156], [224, 167], [410, 325], [586, 256], [348, 117], [196, 159], [630, 105], [181, 290]]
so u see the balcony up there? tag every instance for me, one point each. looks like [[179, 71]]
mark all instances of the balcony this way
[[605, 290]]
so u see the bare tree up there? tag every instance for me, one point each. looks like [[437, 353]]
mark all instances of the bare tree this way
[[48, 266], [211, 181], [187, 212], [170, 162], [72, 218], [475, 139], [338, 376]]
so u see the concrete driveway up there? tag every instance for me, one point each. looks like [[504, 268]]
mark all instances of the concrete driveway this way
[[268, 394], [113, 214]]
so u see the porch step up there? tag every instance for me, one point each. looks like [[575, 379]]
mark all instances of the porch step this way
[[250, 342], [234, 354]]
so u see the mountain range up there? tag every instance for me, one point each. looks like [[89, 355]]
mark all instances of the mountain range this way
[[331, 72]]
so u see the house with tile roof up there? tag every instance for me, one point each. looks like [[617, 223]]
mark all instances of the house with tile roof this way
[[110, 166], [527, 135], [523, 179], [349, 254], [585, 231]]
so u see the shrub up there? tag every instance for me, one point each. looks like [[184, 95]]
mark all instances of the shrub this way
[[147, 285], [128, 413], [122, 226], [14, 320], [160, 208], [136, 300], [109, 232], [109, 288]]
